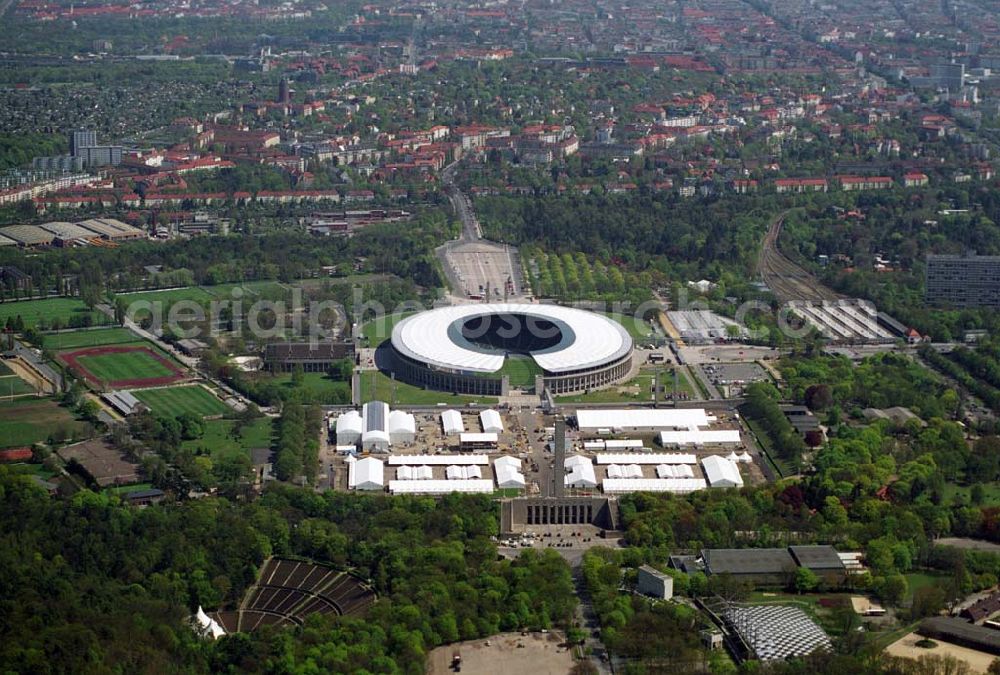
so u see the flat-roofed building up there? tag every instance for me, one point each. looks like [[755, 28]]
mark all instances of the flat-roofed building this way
[[28, 235], [963, 281], [112, 229], [654, 583], [824, 561], [67, 233], [312, 357], [759, 566]]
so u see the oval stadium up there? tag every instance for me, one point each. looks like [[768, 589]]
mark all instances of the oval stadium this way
[[490, 348]]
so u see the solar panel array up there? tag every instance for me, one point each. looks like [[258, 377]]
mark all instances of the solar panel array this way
[[288, 591], [776, 631]]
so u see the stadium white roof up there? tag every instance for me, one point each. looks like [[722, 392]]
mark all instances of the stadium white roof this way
[[437, 487], [365, 474], [701, 437], [491, 422], [437, 460], [645, 458], [641, 418], [680, 485], [451, 421], [589, 339], [720, 472]]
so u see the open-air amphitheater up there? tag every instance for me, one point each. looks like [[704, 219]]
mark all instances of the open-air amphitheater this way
[[287, 591]]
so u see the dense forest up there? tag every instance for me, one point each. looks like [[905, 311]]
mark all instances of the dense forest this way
[[405, 251], [672, 239], [86, 582]]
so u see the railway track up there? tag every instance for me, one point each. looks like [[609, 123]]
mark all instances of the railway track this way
[[787, 280]]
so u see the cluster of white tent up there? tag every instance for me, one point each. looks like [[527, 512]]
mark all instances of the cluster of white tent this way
[[674, 471], [421, 472], [627, 471], [742, 458], [375, 428], [470, 472], [508, 471]]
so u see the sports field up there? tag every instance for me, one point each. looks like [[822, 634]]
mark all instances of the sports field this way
[[89, 338], [123, 366], [45, 312], [30, 420], [173, 401]]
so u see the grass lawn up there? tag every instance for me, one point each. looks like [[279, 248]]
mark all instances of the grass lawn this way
[[136, 365], [991, 493], [32, 470], [4, 370], [89, 338], [30, 420], [122, 490], [318, 387], [379, 330], [521, 370], [782, 467], [640, 388], [918, 580], [12, 385], [35, 312], [251, 289], [376, 386], [170, 296], [173, 401], [220, 440]]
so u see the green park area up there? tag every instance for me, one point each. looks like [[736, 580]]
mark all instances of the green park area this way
[[50, 313], [315, 387], [377, 386], [223, 437], [31, 420], [638, 389], [96, 337]]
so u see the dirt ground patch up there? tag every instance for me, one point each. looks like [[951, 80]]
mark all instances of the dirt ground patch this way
[[541, 655], [906, 647]]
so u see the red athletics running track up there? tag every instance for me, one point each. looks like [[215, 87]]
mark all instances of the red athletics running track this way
[[71, 359]]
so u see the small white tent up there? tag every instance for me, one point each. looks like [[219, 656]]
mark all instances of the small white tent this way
[[720, 472], [491, 422], [366, 474], [451, 422]]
